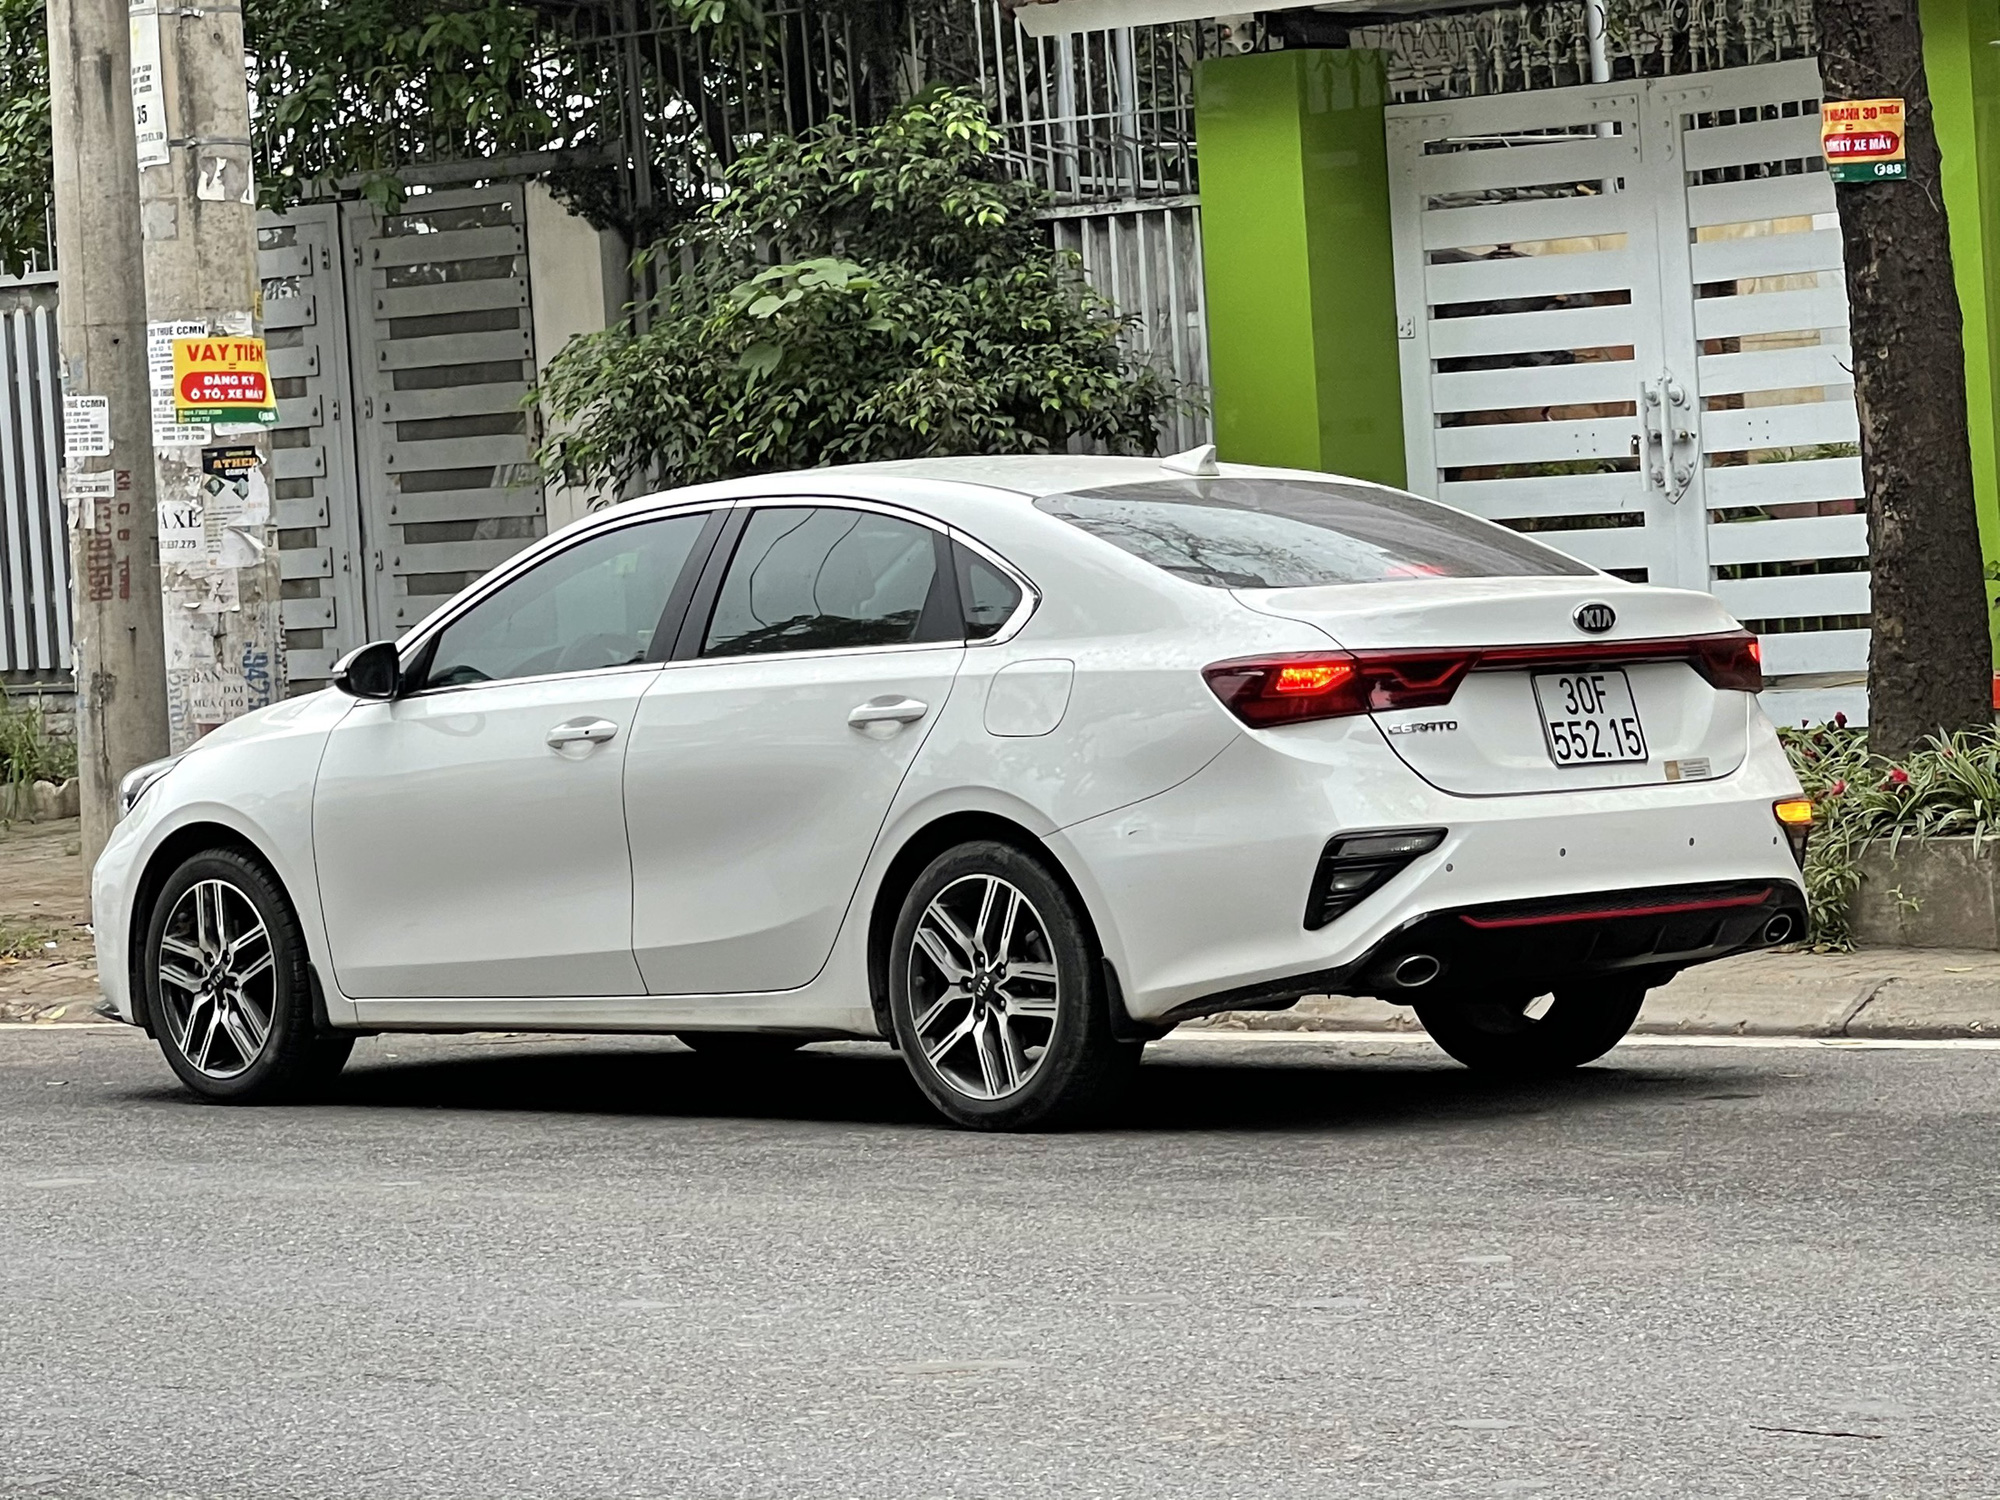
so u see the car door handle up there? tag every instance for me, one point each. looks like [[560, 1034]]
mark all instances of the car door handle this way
[[581, 732], [888, 711]]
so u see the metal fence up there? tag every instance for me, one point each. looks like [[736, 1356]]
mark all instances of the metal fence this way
[[1518, 48], [34, 555], [1104, 122]]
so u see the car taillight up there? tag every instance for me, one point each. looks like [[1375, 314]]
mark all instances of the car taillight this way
[[1734, 661], [1271, 690], [1267, 690]]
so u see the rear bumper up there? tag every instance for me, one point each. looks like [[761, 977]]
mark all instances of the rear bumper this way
[[1647, 934], [1200, 894]]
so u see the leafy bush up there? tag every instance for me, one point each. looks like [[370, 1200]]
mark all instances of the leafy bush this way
[[916, 308], [27, 751], [1948, 787]]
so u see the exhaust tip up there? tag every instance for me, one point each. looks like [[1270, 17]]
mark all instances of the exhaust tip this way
[[1779, 928], [1416, 971]]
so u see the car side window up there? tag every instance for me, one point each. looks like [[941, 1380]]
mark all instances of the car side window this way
[[822, 578], [593, 605], [987, 595]]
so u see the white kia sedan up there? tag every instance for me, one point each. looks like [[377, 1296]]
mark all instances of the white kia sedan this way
[[1016, 763]]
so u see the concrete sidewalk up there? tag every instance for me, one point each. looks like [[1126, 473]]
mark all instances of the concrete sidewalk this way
[[1880, 992], [1877, 992]]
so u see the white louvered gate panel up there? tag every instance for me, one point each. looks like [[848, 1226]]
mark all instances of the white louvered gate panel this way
[[34, 546], [1779, 437], [1624, 328], [1145, 259], [444, 350], [313, 475]]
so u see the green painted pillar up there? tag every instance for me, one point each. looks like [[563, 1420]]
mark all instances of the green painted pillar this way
[[1297, 269], [1962, 64]]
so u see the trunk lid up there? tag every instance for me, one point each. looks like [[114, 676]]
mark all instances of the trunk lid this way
[[1493, 738]]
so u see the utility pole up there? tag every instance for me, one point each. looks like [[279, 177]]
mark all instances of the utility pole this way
[[121, 706], [219, 566]]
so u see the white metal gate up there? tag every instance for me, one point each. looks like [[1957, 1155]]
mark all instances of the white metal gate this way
[[401, 349], [34, 555], [444, 353], [314, 478], [1625, 329]]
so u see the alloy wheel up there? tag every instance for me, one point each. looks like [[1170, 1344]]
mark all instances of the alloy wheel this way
[[218, 979], [984, 991]]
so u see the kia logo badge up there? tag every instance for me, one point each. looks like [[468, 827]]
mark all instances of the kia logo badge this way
[[1594, 618]]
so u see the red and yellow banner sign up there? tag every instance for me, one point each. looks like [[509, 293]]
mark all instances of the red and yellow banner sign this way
[[222, 380], [1862, 139]]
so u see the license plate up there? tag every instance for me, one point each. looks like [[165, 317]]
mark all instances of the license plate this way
[[1589, 718]]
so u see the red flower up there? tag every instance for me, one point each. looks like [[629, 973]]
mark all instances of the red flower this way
[[1840, 721], [1898, 776], [1836, 789]]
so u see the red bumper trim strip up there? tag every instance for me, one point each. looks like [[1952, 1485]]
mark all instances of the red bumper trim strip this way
[[1552, 918]]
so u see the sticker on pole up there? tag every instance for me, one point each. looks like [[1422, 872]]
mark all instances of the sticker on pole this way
[[222, 380], [1862, 139]]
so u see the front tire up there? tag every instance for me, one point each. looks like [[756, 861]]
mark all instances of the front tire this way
[[998, 998], [1503, 1035], [227, 985]]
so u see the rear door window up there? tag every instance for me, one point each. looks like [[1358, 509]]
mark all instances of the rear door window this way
[[824, 578], [1253, 533]]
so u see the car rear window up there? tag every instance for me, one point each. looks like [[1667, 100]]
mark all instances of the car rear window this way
[[1287, 533]]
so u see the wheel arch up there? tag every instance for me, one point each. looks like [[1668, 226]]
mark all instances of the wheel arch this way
[[926, 844], [181, 844]]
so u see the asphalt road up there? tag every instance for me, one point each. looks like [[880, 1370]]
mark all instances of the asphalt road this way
[[576, 1268]]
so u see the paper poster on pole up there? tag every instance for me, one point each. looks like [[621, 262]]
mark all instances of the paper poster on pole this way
[[86, 427], [183, 531], [222, 381], [1862, 139], [168, 430], [149, 100]]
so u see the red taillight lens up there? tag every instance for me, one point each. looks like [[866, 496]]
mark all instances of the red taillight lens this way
[[1262, 691], [1312, 677], [1733, 661]]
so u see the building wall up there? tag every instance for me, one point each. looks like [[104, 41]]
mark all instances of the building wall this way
[[1299, 278], [580, 284]]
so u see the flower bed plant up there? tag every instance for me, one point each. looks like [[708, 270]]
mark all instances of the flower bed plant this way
[[1948, 788]]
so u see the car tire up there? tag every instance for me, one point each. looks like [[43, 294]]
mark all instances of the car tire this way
[[741, 1046], [1496, 1034], [997, 995], [228, 988]]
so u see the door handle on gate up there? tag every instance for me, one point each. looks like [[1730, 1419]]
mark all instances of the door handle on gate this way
[[888, 711], [582, 731]]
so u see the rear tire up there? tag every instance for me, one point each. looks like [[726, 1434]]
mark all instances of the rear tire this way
[[228, 988], [741, 1046], [1495, 1034], [998, 998]]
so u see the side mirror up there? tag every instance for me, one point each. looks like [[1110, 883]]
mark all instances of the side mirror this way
[[370, 671]]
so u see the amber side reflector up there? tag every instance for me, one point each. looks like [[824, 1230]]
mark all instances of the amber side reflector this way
[[1795, 818]]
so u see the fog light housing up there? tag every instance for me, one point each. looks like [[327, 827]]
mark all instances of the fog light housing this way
[[1354, 866], [1795, 817]]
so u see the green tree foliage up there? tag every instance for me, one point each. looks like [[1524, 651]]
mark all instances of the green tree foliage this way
[[24, 133], [365, 89], [917, 309]]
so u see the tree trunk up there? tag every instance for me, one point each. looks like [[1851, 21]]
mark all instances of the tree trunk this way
[[1930, 661]]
